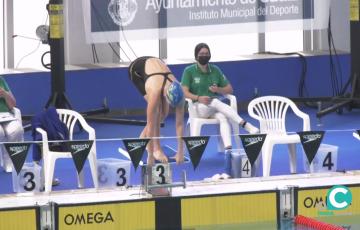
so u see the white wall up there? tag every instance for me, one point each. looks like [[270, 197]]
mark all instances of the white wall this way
[[340, 20], [77, 51], [340, 26]]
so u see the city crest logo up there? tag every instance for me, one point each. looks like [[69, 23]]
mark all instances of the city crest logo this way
[[122, 12]]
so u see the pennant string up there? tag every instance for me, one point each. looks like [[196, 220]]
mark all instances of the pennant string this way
[[154, 138]]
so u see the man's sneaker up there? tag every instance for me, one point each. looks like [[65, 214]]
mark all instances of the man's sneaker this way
[[216, 177], [8, 168], [251, 129], [225, 176], [55, 182]]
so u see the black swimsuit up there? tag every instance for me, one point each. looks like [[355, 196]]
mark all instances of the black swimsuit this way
[[138, 76]]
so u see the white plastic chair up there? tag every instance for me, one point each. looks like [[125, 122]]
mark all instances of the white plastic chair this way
[[70, 118], [194, 123], [5, 160], [271, 111]]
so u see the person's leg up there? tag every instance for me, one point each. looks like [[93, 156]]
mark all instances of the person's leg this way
[[150, 145], [2, 148], [225, 132], [14, 131], [158, 152], [233, 115], [225, 129], [204, 111]]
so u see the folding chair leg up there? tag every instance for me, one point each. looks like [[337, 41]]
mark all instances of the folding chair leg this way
[[292, 157], [187, 129], [220, 144], [236, 133], [80, 177], [6, 161], [255, 169], [195, 129], [267, 157], [92, 162], [49, 166]]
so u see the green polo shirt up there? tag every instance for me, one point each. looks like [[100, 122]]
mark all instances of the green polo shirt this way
[[199, 82], [3, 85]]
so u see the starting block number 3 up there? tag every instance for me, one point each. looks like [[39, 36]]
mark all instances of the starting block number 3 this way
[[28, 181], [161, 174], [113, 172], [119, 176]]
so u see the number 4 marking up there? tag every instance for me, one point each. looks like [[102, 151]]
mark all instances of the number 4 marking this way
[[246, 167], [328, 162]]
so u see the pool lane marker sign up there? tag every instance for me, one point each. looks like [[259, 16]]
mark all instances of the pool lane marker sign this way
[[252, 145], [17, 153], [196, 147], [311, 141], [79, 152], [136, 148]]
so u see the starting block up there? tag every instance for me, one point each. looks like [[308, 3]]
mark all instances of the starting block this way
[[113, 172], [325, 160], [240, 164], [157, 179], [28, 180], [159, 174]]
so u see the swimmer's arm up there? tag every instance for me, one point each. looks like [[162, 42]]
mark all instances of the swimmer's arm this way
[[151, 113], [179, 124]]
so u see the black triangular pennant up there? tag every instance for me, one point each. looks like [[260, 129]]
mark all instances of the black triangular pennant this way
[[311, 141], [252, 145], [136, 148], [79, 151], [17, 153], [196, 147]]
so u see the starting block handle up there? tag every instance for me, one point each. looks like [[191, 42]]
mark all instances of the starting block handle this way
[[184, 178]]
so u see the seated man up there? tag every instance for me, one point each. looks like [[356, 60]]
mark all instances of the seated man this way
[[204, 83], [11, 129], [159, 87]]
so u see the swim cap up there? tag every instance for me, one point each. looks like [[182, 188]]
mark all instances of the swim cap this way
[[174, 94]]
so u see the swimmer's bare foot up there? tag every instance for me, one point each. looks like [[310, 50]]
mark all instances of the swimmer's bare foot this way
[[160, 156]]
